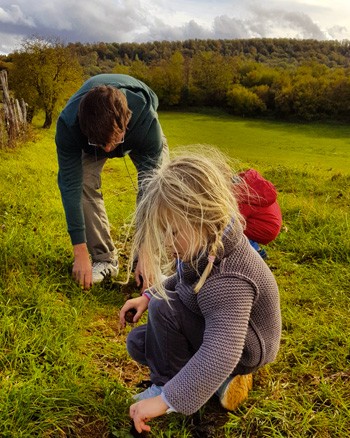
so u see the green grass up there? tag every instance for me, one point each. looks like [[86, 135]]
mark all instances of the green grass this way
[[308, 147], [64, 369]]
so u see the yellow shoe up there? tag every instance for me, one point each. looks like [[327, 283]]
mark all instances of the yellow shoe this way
[[236, 391]]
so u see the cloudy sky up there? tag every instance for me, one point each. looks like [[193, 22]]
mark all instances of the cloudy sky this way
[[149, 20]]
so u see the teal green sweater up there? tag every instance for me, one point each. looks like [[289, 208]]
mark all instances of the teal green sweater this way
[[143, 142]]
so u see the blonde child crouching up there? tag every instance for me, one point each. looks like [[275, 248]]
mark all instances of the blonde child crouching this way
[[217, 318]]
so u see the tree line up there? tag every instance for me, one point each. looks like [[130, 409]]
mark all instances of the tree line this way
[[270, 51], [277, 78]]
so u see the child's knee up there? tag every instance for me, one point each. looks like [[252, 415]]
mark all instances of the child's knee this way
[[135, 344]]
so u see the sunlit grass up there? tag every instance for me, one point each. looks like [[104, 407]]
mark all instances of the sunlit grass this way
[[64, 369], [310, 147]]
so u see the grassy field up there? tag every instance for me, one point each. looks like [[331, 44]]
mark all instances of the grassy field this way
[[313, 147], [64, 369]]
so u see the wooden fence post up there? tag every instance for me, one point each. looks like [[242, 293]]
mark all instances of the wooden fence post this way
[[15, 113]]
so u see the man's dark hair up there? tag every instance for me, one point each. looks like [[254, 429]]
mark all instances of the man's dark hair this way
[[103, 113]]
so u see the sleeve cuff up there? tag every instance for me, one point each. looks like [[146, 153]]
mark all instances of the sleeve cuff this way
[[170, 408], [77, 237], [147, 295]]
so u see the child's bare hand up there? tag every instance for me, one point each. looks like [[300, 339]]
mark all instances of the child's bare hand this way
[[140, 304], [144, 410]]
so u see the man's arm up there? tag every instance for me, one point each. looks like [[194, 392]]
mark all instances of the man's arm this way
[[70, 179]]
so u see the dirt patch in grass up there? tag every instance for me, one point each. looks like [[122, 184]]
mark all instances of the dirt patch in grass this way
[[87, 427], [107, 341]]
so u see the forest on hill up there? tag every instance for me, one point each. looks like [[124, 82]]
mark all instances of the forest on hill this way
[[290, 79], [280, 52]]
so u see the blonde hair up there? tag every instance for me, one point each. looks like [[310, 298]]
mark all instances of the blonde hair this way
[[192, 192]]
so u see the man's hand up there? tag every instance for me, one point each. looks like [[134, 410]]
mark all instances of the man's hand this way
[[82, 268], [140, 304], [144, 410]]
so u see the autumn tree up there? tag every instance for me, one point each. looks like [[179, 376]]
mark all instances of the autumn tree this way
[[283, 91], [121, 69], [45, 73], [339, 92], [211, 76], [260, 79], [168, 79], [89, 63], [310, 96], [244, 102], [139, 70]]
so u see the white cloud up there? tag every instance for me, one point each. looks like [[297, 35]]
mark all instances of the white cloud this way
[[271, 23], [14, 15], [9, 42], [148, 20], [226, 27], [338, 32]]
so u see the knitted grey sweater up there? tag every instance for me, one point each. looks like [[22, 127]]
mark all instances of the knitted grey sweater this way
[[240, 304]]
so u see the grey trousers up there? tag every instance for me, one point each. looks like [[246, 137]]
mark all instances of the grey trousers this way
[[99, 241], [171, 337]]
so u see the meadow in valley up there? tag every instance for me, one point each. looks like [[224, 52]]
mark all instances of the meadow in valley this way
[[64, 369]]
